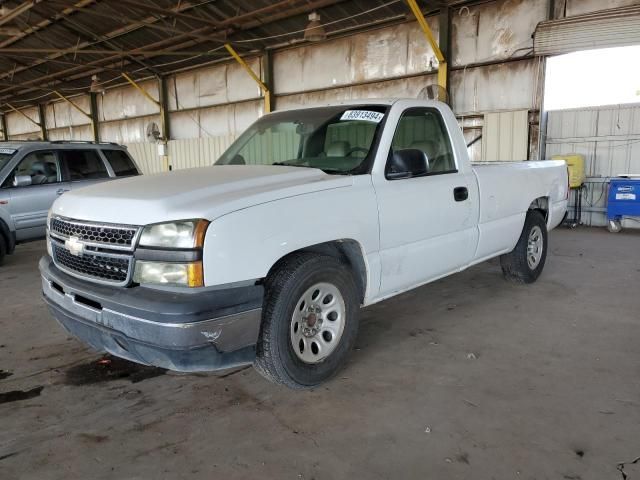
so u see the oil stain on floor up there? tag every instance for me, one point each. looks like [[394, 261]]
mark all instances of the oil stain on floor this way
[[17, 395], [110, 368]]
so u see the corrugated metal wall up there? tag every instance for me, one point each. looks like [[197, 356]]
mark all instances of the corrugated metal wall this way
[[505, 136], [609, 139], [491, 70], [215, 103]]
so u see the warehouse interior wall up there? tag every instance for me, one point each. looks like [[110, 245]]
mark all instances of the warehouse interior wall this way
[[492, 70]]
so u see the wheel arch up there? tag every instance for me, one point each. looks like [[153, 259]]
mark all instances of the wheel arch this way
[[347, 250], [541, 204]]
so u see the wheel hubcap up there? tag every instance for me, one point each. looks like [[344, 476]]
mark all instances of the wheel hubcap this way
[[535, 246], [317, 323]]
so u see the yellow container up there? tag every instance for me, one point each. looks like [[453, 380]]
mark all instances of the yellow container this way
[[575, 162]]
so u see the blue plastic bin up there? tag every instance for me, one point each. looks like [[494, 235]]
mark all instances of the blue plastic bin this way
[[624, 198]]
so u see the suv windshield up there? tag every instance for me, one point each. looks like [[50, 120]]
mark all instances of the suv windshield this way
[[337, 139], [5, 156]]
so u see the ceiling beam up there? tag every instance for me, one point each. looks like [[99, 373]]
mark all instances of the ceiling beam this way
[[101, 51], [19, 10], [146, 7], [245, 21], [70, 8]]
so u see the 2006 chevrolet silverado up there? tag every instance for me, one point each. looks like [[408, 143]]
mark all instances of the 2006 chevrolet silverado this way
[[267, 256]]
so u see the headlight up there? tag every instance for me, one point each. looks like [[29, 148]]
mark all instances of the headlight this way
[[180, 234], [169, 274], [49, 219]]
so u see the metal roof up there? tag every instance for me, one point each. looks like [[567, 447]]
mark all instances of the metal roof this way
[[60, 44]]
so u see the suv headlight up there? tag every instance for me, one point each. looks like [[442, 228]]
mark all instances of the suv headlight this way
[[183, 235]]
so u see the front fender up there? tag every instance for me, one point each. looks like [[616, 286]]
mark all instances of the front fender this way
[[245, 244]]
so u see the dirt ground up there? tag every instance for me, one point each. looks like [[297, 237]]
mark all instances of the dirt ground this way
[[469, 377]]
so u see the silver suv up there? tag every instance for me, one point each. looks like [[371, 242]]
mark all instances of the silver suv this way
[[34, 174]]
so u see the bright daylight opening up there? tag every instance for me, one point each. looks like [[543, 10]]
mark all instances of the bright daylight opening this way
[[608, 76]]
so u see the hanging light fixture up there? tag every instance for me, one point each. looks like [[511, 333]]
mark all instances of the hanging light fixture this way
[[95, 85], [314, 31]]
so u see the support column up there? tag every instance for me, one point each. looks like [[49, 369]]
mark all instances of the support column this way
[[43, 121], [444, 42], [268, 79], [5, 132], [164, 109], [442, 62], [95, 126]]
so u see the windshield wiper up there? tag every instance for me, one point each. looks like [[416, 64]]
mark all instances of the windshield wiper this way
[[287, 164], [334, 171], [330, 171]]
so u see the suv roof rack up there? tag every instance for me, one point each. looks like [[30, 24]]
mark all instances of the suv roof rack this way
[[90, 142]]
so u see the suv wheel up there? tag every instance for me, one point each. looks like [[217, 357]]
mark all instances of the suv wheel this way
[[309, 320]]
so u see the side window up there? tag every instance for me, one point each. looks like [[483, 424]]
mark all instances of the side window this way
[[423, 129], [121, 163], [84, 165], [42, 167]]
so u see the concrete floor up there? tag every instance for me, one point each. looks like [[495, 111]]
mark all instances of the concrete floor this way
[[469, 377]]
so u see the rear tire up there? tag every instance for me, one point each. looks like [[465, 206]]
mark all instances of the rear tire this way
[[309, 321], [525, 263], [3, 249]]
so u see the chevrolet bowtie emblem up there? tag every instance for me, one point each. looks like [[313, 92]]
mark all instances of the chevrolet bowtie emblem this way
[[75, 246]]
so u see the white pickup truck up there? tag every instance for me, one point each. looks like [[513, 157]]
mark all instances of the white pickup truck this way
[[267, 256]]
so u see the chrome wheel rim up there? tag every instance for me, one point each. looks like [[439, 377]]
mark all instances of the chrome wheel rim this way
[[535, 245], [317, 323]]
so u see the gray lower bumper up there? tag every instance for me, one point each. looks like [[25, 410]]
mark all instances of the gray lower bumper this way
[[183, 332]]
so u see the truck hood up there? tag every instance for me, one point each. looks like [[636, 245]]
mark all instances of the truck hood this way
[[208, 192]]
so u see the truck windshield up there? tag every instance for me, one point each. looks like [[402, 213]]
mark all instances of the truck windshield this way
[[337, 139]]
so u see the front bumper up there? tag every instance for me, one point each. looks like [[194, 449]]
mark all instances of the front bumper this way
[[186, 332]]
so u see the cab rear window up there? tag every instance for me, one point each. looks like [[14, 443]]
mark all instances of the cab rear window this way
[[121, 163]]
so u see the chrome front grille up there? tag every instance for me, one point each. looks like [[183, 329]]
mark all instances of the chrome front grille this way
[[113, 236], [101, 253], [105, 268]]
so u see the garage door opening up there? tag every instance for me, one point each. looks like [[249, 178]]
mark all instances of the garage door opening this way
[[590, 78]]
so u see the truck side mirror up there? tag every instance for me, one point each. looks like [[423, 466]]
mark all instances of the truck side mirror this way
[[407, 163], [21, 181]]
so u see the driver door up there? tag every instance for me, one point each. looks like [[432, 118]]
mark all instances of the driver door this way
[[29, 205], [427, 226]]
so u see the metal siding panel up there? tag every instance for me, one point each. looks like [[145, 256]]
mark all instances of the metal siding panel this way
[[62, 114], [197, 152], [126, 102], [495, 30], [609, 139], [496, 87], [369, 56], [18, 125], [146, 156], [505, 136], [77, 132]]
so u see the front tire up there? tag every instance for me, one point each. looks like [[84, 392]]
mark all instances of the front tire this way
[[525, 263], [309, 320]]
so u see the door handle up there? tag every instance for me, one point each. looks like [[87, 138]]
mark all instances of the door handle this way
[[60, 191], [460, 194]]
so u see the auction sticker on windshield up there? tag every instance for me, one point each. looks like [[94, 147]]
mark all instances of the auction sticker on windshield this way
[[364, 115]]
